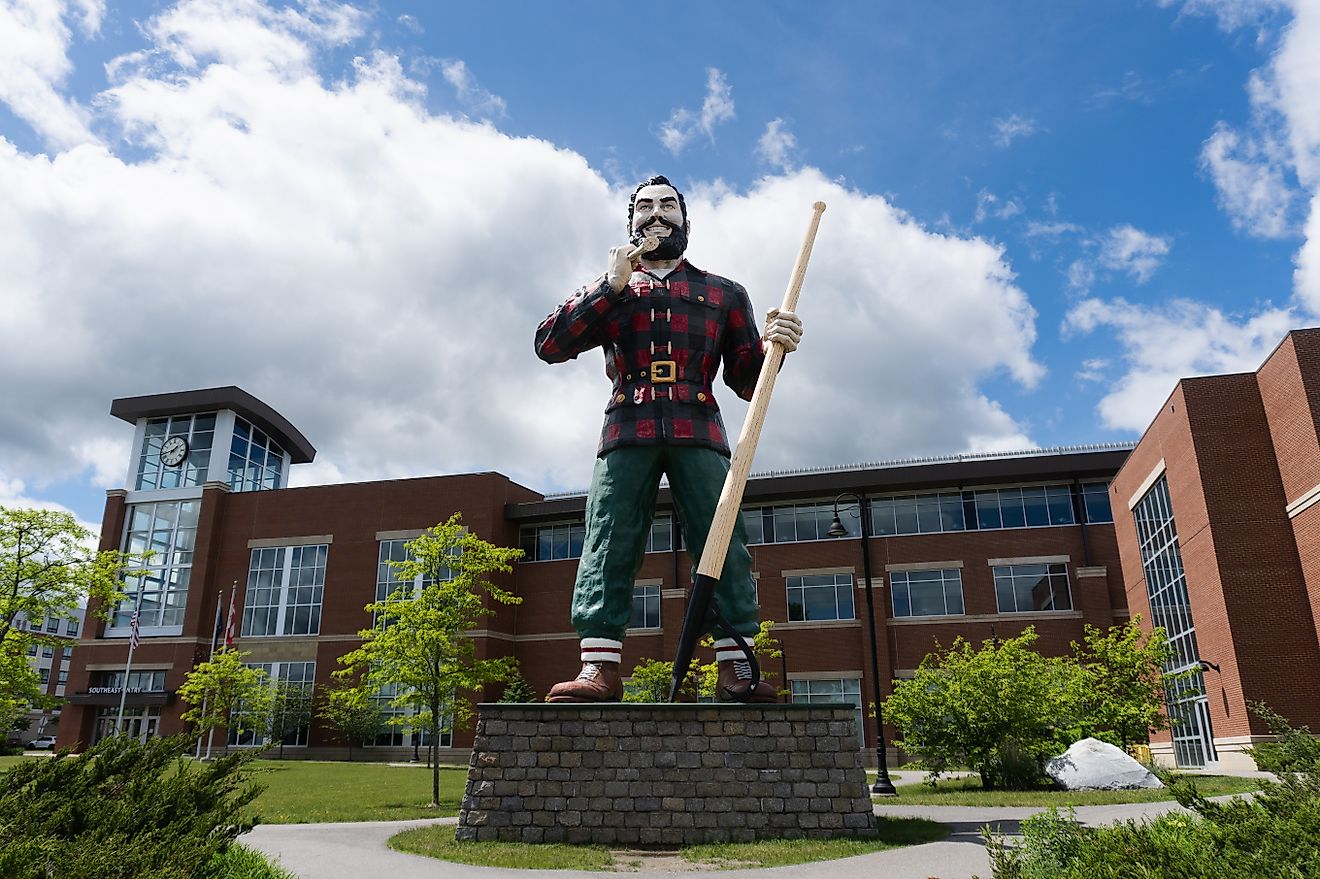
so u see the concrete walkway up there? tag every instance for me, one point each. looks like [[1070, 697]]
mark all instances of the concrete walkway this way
[[356, 851]]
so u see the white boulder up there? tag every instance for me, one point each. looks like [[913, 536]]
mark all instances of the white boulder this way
[[1095, 765]]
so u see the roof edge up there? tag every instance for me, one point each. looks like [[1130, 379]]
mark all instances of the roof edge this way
[[130, 409]]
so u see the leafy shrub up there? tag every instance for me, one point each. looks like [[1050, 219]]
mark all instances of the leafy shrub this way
[[122, 809], [1273, 835], [1295, 751], [240, 862]]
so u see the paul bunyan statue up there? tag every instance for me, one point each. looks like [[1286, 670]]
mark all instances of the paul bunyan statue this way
[[665, 326]]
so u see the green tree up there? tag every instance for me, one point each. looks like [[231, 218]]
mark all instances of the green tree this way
[[353, 713], [1002, 710], [651, 678], [291, 707], [47, 570], [420, 643], [1119, 688], [518, 690], [225, 693]]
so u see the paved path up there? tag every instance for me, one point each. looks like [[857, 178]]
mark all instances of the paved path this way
[[358, 851]]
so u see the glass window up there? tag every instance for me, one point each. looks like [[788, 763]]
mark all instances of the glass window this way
[[755, 525], [1170, 607], [168, 529], [301, 673], [846, 690], [255, 460], [197, 430], [1095, 497], [284, 591], [1029, 588], [149, 681], [646, 607], [68, 652], [917, 514], [820, 597], [52, 625], [926, 593], [47, 652], [1059, 499], [45, 676], [71, 627], [400, 735], [661, 538]]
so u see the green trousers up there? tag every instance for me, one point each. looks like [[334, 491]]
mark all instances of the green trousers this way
[[620, 507]]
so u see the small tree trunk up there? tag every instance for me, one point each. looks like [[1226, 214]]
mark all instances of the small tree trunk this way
[[435, 764]]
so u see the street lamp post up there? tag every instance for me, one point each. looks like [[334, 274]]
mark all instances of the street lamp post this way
[[883, 786]]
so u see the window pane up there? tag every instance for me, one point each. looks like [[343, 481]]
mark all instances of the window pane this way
[[784, 524], [751, 517], [987, 510], [1033, 502], [1010, 508], [1060, 503], [905, 515]]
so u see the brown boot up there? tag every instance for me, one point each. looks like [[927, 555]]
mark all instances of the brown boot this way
[[735, 678], [597, 682]]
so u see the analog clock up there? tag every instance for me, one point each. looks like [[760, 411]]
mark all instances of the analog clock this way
[[174, 451]]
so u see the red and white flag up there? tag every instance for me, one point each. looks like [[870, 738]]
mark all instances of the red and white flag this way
[[134, 635], [229, 621]]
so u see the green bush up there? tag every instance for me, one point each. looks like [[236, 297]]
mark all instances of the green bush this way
[[122, 810], [1273, 835], [240, 862]]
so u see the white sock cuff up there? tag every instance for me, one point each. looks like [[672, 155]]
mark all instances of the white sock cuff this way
[[725, 644], [729, 655], [601, 650]]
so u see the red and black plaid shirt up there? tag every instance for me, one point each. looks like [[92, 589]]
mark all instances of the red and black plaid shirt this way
[[694, 319]]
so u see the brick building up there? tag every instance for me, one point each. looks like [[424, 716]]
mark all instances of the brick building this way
[[50, 655], [1221, 547], [974, 545]]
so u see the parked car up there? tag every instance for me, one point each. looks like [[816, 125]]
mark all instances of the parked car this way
[[42, 743]]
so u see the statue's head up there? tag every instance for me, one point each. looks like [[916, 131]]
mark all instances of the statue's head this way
[[657, 208]]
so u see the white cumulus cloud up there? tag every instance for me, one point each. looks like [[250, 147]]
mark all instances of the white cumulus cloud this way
[[34, 63], [684, 124], [477, 99], [1252, 187], [1128, 249], [1163, 344], [777, 146]]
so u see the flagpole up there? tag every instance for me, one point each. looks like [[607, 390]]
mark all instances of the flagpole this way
[[215, 636], [229, 642], [128, 665]]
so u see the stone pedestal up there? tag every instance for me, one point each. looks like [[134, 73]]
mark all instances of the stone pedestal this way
[[665, 774]]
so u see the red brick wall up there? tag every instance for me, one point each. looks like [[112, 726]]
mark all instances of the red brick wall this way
[[1244, 575]]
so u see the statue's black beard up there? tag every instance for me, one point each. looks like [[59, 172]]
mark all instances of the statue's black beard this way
[[669, 248]]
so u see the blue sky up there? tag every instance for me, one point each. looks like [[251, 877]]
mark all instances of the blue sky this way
[[1041, 215]]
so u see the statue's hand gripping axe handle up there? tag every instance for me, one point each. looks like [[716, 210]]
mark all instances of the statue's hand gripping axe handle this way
[[703, 612]]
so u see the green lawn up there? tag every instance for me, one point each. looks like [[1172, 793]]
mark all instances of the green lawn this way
[[968, 792], [438, 842], [309, 792]]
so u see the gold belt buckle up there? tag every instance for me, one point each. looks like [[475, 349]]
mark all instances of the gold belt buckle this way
[[663, 371]]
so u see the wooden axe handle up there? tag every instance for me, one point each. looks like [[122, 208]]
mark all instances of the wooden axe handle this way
[[726, 514]]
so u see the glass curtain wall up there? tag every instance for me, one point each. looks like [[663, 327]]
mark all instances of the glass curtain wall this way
[[1166, 583]]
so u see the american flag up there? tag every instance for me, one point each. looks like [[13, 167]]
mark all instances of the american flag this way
[[134, 636], [229, 622]]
